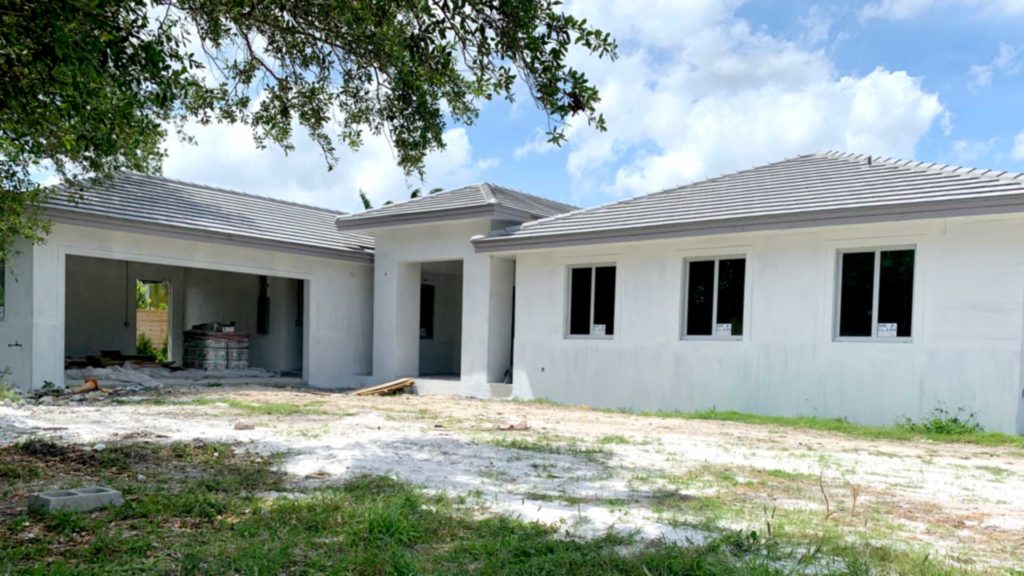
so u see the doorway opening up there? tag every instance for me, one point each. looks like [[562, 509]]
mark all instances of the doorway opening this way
[[153, 319], [440, 323]]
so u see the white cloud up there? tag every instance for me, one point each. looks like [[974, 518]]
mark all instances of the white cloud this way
[[817, 25], [720, 96], [906, 9], [968, 151], [1009, 61], [1018, 146], [226, 156], [539, 145]]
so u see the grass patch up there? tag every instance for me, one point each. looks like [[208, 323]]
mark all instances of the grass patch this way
[[900, 431], [199, 511], [613, 439], [549, 447], [8, 393]]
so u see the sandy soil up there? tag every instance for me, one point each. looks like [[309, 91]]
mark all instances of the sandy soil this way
[[588, 471]]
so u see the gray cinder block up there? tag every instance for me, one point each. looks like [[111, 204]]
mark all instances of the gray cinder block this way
[[75, 500]]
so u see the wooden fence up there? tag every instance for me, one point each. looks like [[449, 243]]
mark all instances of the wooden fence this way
[[152, 323]]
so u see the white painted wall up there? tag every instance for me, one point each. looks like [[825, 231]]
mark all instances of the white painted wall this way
[[16, 327], [399, 252], [338, 347], [966, 350]]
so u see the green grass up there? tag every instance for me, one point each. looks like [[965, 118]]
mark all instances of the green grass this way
[[843, 426], [199, 512], [8, 393]]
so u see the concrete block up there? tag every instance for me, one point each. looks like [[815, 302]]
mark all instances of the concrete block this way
[[75, 500]]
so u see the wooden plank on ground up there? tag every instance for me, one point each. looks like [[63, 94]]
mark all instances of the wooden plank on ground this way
[[386, 388]]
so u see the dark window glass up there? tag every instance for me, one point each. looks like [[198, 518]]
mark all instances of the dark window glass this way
[[604, 298], [700, 298], [579, 300], [896, 290], [427, 311], [731, 275], [856, 293]]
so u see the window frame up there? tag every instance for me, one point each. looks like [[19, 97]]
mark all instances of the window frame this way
[[568, 335], [3, 292], [876, 280], [685, 295]]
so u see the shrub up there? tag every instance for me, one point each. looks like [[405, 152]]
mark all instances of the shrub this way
[[144, 347], [943, 422]]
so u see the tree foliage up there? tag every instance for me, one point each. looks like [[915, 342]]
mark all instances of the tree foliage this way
[[91, 87]]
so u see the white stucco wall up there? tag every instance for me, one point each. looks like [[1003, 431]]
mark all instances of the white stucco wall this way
[[399, 252], [966, 349], [337, 350]]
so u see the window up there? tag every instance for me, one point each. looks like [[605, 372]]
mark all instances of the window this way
[[427, 311], [714, 293], [876, 294], [592, 301], [3, 290]]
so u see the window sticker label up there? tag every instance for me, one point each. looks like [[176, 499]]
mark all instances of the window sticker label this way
[[599, 330], [887, 329], [723, 329]]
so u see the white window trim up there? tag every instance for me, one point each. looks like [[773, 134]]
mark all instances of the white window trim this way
[[3, 281], [593, 286], [876, 277], [714, 299]]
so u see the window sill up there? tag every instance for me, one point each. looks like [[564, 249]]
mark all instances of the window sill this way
[[587, 337], [874, 339], [712, 338]]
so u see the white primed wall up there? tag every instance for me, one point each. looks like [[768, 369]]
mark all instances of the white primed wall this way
[[966, 349], [399, 253], [337, 347]]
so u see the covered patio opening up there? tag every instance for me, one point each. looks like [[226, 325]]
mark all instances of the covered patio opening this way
[[143, 323], [440, 319]]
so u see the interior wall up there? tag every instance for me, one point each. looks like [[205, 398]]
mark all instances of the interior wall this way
[[99, 310], [442, 355], [280, 349]]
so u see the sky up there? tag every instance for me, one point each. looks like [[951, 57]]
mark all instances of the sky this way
[[700, 88]]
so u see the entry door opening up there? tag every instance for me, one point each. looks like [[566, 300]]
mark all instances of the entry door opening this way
[[440, 322], [153, 319]]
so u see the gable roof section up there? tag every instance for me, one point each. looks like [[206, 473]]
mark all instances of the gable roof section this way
[[154, 203], [476, 201], [811, 190]]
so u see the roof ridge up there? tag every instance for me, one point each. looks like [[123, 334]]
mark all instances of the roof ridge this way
[[529, 195], [534, 223], [409, 200], [231, 191], [921, 166]]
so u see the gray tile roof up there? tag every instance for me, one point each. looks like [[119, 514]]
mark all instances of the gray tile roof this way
[[147, 201], [480, 200], [820, 188]]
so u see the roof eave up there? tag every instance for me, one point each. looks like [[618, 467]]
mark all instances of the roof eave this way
[[78, 218], [811, 219]]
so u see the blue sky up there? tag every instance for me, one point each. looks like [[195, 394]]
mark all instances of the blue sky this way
[[704, 87]]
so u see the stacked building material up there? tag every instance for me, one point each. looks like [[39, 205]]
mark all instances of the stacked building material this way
[[214, 350]]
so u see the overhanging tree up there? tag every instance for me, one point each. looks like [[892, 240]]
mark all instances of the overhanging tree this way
[[91, 87]]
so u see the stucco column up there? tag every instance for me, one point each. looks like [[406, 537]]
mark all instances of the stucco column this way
[[476, 289], [396, 306]]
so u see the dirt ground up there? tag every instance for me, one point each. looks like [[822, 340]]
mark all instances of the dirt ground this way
[[588, 471]]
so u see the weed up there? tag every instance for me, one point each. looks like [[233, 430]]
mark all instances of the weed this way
[[942, 422], [613, 439]]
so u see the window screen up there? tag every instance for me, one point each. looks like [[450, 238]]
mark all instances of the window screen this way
[[714, 297], [592, 301], [876, 294], [427, 311]]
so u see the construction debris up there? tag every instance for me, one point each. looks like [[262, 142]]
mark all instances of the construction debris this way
[[515, 427], [90, 385], [386, 388]]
